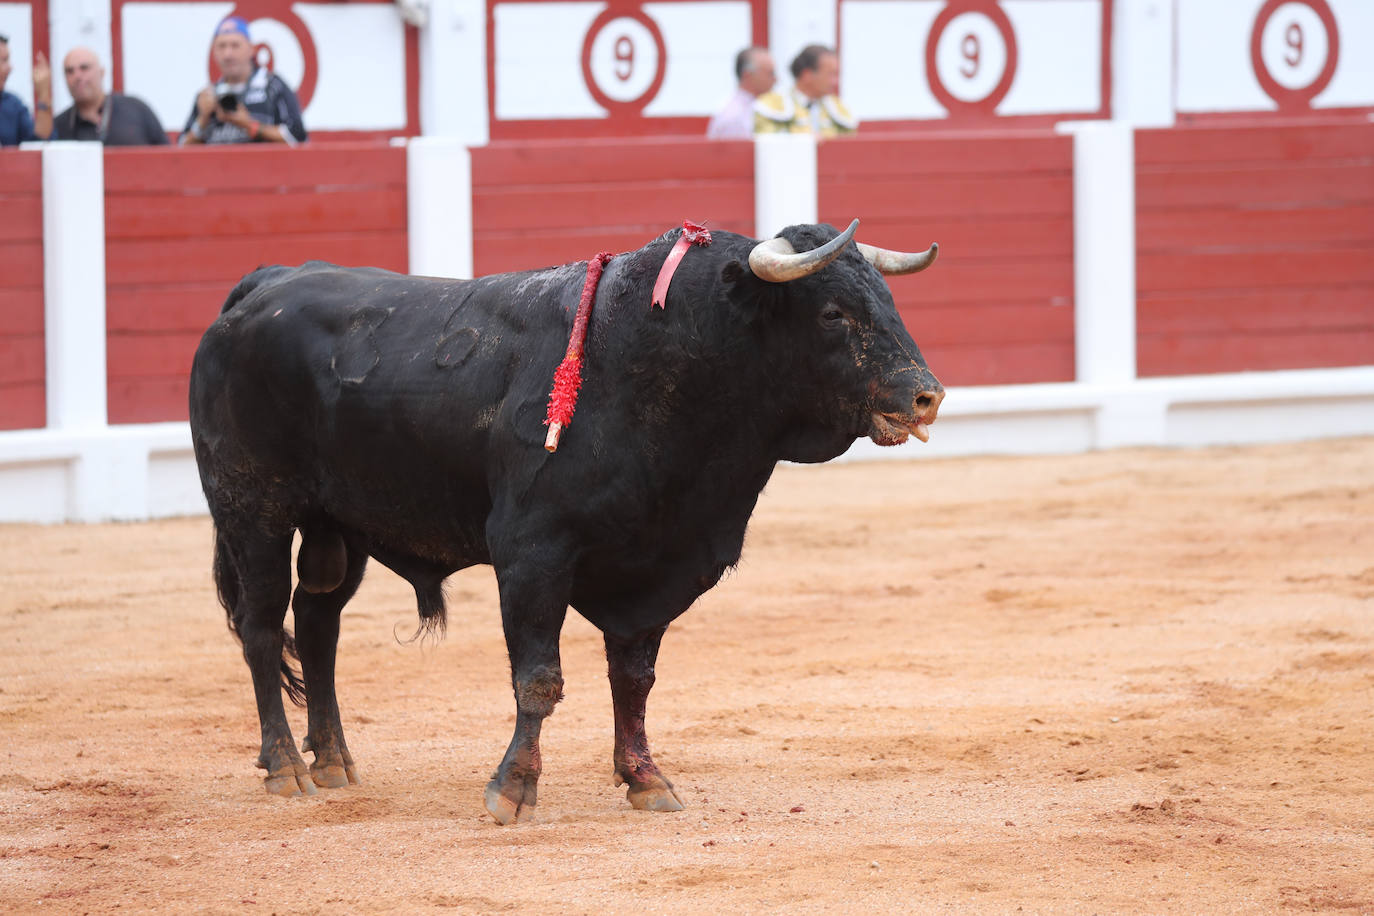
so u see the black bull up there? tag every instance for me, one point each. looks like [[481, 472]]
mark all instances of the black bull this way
[[402, 418]]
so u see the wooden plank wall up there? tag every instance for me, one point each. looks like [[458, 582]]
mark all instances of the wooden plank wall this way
[[1254, 248], [997, 307], [184, 225], [542, 203], [22, 400]]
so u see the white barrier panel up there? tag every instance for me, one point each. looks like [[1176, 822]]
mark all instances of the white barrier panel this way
[[922, 59], [579, 60], [439, 207], [74, 284], [1247, 55]]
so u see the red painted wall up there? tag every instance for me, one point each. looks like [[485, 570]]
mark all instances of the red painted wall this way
[[22, 401], [183, 225], [536, 204], [997, 307], [1254, 248]]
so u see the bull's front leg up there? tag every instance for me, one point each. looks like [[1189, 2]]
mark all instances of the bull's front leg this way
[[630, 665], [532, 612]]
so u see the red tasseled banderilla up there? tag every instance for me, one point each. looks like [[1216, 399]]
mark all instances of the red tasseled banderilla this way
[[567, 378]]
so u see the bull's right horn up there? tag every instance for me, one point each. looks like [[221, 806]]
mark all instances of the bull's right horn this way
[[776, 261], [898, 262]]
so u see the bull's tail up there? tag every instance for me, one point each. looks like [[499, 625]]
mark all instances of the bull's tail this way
[[229, 588]]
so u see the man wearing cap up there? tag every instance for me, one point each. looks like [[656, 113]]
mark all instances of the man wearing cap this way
[[249, 104]]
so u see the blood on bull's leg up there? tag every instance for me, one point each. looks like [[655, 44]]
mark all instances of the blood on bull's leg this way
[[532, 618], [630, 666], [317, 612]]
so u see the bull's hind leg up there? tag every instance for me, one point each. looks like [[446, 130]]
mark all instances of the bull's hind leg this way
[[532, 610], [630, 664], [330, 572], [263, 564]]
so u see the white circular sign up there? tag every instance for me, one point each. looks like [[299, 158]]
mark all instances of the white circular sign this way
[[624, 59], [971, 57], [1294, 45], [288, 60]]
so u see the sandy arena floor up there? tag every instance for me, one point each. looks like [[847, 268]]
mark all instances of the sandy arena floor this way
[[1130, 682]]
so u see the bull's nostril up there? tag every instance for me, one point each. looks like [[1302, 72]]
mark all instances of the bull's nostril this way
[[923, 401]]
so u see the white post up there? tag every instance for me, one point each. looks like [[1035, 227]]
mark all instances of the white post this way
[[1104, 251], [74, 284], [439, 207], [1143, 62], [453, 57], [784, 182]]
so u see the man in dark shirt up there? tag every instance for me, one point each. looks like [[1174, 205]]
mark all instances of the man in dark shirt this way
[[250, 103], [114, 119]]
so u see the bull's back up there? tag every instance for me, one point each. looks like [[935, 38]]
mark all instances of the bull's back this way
[[363, 393]]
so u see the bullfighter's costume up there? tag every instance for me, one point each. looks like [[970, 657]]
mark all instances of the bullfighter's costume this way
[[796, 113]]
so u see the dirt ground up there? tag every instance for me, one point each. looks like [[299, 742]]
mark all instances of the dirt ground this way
[[1136, 681]]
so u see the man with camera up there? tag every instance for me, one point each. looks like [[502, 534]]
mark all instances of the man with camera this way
[[250, 103]]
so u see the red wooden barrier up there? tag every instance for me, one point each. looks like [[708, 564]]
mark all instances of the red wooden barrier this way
[[183, 225], [22, 400], [1255, 248], [997, 308], [536, 204]]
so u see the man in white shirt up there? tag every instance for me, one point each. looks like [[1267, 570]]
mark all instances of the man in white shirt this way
[[754, 70]]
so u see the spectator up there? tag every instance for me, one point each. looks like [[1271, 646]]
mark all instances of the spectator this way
[[16, 124], [754, 71], [811, 106], [114, 119], [249, 103]]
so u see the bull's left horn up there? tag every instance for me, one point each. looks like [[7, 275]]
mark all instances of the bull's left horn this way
[[776, 261], [898, 262]]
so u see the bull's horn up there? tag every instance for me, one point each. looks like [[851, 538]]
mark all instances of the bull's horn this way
[[776, 261], [898, 262]]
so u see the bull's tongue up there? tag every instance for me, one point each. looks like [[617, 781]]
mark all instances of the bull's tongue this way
[[921, 431]]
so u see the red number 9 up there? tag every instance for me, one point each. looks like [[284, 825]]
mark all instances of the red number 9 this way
[[624, 57], [1293, 35], [970, 48]]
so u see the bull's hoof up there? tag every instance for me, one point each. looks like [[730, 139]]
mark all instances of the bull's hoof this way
[[289, 784], [333, 766], [654, 798], [334, 776], [651, 793], [505, 809]]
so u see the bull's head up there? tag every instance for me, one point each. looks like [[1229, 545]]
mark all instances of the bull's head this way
[[871, 377]]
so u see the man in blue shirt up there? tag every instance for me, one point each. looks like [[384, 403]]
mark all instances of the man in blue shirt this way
[[16, 124]]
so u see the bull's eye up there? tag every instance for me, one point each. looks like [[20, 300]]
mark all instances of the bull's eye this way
[[833, 317]]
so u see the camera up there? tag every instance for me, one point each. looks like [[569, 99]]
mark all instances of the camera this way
[[229, 101]]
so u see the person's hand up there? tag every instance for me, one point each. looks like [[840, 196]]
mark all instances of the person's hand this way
[[239, 116], [42, 78], [205, 105]]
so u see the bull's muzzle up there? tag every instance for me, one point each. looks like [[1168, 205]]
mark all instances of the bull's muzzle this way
[[894, 427]]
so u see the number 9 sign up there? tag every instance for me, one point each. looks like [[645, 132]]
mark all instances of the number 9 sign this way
[[1293, 48], [623, 58], [971, 57]]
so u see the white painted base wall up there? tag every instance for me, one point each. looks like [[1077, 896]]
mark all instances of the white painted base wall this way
[[148, 471]]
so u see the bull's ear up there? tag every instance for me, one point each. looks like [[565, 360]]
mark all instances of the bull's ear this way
[[751, 297]]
